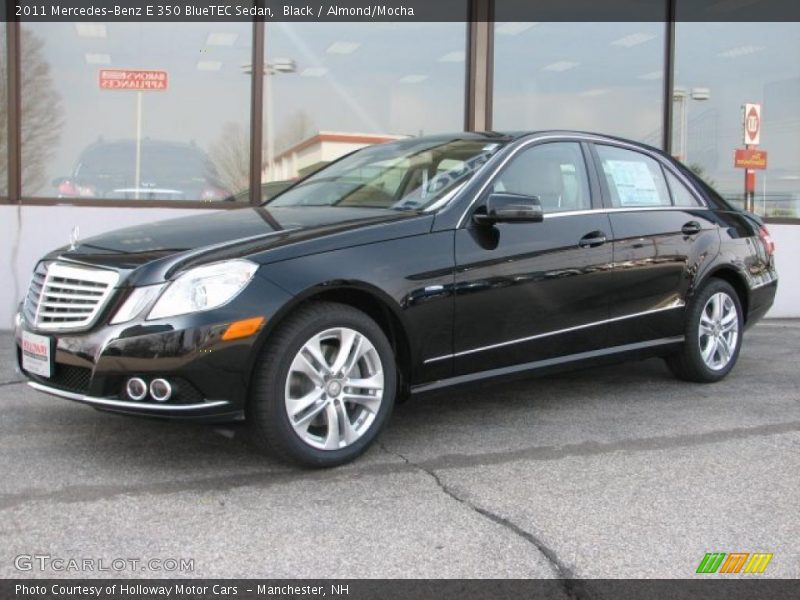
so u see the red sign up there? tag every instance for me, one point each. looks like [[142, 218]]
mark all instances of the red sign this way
[[134, 80], [752, 124], [750, 159]]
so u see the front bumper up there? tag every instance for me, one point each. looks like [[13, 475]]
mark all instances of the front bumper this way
[[210, 376], [210, 408]]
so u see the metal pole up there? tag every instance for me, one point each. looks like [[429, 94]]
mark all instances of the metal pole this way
[[256, 111], [270, 136], [138, 173], [685, 130], [669, 76]]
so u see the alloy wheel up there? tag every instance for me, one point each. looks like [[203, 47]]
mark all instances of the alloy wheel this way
[[719, 331], [334, 388]]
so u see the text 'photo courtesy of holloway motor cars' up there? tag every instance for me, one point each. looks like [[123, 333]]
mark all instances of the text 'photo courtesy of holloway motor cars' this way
[[399, 269]]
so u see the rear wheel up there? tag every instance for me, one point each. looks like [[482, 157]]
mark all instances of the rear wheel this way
[[324, 388], [714, 324]]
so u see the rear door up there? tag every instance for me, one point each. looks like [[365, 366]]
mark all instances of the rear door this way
[[662, 234]]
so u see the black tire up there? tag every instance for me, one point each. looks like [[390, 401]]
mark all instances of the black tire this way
[[267, 419], [688, 364]]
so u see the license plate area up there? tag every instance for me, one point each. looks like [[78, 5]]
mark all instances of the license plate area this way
[[37, 354]]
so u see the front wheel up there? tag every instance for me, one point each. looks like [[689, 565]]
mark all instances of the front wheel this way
[[324, 388], [714, 324]]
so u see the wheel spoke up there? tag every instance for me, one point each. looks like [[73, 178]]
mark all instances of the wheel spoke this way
[[299, 407], [356, 353], [710, 350], [348, 338], [730, 319], [706, 330], [333, 438], [349, 434], [314, 348], [371, 403], [716, 307], [303, 365], [375, 382], [724, 350]]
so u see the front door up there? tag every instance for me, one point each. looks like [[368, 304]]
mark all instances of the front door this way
[[530, 291]]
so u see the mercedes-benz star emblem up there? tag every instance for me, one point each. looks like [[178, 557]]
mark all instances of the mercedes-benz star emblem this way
[[73, 237]]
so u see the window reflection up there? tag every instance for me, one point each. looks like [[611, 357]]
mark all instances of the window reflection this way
[[718, 68], [333, 88], [600, 77], [185, 141]]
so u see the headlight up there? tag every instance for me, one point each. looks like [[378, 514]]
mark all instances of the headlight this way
[[204, 288], [136, 302]]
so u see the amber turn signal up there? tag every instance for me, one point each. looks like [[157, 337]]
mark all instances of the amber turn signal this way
[[243, 328]]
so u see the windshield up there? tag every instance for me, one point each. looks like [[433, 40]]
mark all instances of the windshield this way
[[407, 175]]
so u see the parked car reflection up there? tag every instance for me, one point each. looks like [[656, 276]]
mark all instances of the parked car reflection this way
[[167, 171]]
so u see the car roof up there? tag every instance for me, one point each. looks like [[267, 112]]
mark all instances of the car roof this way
[[510, 136]]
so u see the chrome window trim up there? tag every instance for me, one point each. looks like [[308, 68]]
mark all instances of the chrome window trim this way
[[673, 306], [111, 403], [626, 209], [584, 138]]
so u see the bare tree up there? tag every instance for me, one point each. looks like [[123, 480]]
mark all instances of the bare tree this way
[[230, 153], [42, 115], [297, 127]]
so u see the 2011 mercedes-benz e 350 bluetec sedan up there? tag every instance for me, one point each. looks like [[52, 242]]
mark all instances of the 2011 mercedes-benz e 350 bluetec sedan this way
[[401, 268]]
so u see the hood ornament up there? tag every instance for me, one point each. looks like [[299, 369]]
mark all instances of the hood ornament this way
[[73, 237]]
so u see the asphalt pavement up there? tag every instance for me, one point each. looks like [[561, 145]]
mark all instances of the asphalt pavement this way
[[615, 472]]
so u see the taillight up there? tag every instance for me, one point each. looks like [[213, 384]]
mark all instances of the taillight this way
[[766, 239], [69, 188], [213, 193]]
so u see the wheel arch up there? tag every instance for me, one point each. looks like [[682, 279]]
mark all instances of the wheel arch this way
[[364, 297], [737, 281]]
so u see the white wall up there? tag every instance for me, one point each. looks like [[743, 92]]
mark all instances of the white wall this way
[[28, 232], [787, 257]]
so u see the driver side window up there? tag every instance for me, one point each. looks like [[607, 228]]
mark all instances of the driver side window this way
[[553, 172]]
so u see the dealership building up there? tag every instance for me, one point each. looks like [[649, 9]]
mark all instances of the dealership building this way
[[119, 123]]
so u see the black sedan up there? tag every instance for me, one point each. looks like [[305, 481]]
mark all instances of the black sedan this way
[[399, 269]]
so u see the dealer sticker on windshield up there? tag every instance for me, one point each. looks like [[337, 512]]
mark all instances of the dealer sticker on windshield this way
[[36, 354]]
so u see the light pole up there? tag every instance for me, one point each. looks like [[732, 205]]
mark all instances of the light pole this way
[[681, 97], [277, 66]]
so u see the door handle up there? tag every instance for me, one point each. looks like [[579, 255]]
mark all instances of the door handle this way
[[691, 228], [593, 239]]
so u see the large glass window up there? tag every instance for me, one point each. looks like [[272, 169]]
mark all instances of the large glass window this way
[[330, 89], [128, 111], [719, 67], [600, 77]]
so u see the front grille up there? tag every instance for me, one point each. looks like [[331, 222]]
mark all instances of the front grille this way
[[66, 377], [67, 297]]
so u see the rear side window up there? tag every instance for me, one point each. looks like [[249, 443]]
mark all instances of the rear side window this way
[[634, 179], [681, 196]]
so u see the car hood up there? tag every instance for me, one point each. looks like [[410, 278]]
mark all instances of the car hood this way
[[155, 251]]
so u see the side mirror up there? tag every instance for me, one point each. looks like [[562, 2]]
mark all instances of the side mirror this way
[[502, 207]]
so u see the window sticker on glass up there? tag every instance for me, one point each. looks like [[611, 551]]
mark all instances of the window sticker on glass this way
[[634, 182]]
